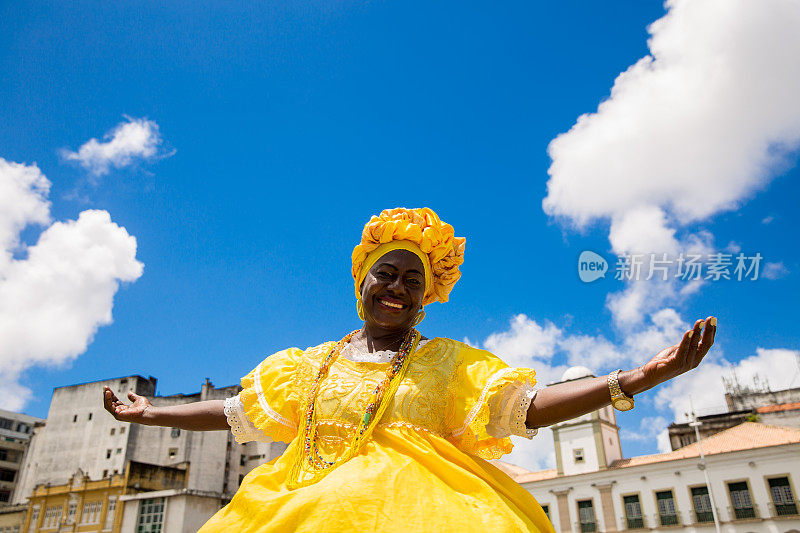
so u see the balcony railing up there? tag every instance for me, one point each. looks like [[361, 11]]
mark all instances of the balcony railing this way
[[634, 522], [702, 517], [743, 513], [587, 527], [783, 509], [668, 519]]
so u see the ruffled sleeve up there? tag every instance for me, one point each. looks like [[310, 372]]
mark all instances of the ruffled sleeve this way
[[270, 396], [491, 403]]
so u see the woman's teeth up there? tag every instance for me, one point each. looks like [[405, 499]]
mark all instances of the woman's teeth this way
[[391, 304]]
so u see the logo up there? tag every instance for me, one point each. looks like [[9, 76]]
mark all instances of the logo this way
[[591, 266]]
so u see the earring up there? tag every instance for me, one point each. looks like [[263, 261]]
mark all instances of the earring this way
[[360, 309], [418, 318]]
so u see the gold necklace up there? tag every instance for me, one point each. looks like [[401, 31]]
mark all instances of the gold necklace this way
[[308, 459]]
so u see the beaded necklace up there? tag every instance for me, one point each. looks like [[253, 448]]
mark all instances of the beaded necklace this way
[[309, 460]]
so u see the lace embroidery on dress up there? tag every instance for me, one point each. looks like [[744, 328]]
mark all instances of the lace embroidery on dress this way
[[358, 352], [243, 430], [509, 410]]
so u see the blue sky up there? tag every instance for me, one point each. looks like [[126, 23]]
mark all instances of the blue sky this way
[[283, 127]]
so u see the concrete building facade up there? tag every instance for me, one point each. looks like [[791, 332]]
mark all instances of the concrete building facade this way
[[15, 434]]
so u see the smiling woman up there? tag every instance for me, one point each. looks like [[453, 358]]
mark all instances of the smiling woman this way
[[389, 430]]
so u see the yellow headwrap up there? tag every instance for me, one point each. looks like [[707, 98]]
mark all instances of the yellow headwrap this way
[[421, 232]]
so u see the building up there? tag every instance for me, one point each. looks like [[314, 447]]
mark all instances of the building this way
[[15, 434], [85, 505], [753, 470], [81, 439], [755, 403], [12, 518]]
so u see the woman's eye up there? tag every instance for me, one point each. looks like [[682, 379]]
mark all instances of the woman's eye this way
[[414, 281], [384, 275]]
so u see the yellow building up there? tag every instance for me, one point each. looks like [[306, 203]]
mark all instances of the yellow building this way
[[84, 505]]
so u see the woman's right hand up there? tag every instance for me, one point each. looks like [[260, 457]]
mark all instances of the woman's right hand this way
[[136, 412]]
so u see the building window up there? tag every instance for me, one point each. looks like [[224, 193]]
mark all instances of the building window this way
[[633, 511], [108, 454], [113, 430], [119, 451], [74, 418], [121, 430], [34, 519], [6, 474], [741, 501], [90, 416], [5, 423], [52, 516], [546, 509], [176, 432], [586, 516], [105, 473], [782, 497], [5, 495], [667, 514], [577, 454], [702, 505], [112, 505], [91, 512], [173, 452], [151, 516], [9, 455], [71, 509]]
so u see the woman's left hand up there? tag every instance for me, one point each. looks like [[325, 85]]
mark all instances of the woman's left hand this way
[[675, 360]]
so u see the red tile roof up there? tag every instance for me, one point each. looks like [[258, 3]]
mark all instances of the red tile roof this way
[[745, 436], [779, 407]]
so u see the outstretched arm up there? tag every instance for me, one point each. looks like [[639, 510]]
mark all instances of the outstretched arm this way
[[565, 401], [197, 416]]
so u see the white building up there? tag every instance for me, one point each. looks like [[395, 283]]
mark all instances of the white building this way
[[753, 469]]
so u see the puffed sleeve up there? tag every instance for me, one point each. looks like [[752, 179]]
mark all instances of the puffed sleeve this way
[[269, 402], [491, 402]]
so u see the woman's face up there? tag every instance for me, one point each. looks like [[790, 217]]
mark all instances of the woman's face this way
[[393, 289]]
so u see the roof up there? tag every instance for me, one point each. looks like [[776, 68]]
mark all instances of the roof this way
[[791, 406], [745, 436]]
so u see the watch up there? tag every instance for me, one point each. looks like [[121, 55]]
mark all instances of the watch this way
[[619, 400]]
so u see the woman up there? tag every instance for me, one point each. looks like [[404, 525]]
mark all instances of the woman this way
[[389, 430]]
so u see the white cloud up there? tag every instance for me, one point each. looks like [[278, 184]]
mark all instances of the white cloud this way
[[767, 219], [138, 138], [53, 300], [23, 201], [774, 270], [535, 454], [780, 367], [649, 430], [688, 131]]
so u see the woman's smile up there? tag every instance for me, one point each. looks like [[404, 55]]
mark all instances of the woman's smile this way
[[392, 304]]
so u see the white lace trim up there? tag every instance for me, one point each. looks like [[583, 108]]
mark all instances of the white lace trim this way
[[357, 352], [507, 411], [262, 401], [243, 430]]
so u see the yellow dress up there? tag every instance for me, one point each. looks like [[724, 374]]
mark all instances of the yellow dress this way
[[424, 467]]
